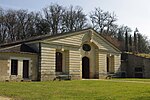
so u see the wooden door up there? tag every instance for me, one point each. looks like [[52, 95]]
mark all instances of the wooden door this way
[[108, 64], [59, 58], [85, 68], [25, 68]]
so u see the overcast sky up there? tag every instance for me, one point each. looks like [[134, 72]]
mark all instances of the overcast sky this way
[[133, 13]]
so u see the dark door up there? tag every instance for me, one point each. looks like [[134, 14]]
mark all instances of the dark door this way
[[107, 64], [25, 68], [85, 68], [59, 62]]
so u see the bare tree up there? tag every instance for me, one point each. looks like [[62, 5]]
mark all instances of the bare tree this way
[[11, 24], [102, 21], [81, 20], [41, 25], [73, 19], [3, 28], [53, 15], [22, 23], [112, 18]]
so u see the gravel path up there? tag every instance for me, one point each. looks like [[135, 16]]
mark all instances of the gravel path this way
[[5, 98]]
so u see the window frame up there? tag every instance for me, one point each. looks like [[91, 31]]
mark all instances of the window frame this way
[[138, 69], [14, 66], [86, 47]]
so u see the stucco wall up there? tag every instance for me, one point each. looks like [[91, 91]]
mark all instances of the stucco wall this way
[[70, 45], [4, 74], [93, 59], [117, 63], [71, 48], [75, 64], [102, 65], [47, 67]]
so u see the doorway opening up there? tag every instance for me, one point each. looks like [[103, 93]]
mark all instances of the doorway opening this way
[[25, 68], [85, 68]]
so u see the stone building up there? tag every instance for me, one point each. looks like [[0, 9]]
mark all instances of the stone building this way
[[135, 66], [83, 54]]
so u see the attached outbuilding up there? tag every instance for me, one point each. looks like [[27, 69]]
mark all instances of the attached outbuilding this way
[[83, 54]]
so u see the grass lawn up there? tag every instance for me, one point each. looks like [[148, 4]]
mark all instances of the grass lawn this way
[[78, 90], [143, 55]]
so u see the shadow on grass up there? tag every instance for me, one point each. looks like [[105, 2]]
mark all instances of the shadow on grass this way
[[142, 98]]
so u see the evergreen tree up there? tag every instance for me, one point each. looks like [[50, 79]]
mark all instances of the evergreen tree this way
[[120, 36], [139, 42], [130, 43], [126, 42], [135, 41]]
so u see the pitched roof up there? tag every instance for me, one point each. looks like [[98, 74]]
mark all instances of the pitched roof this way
[[20, 48], [114, 41], [41, 37], [11, 49], [16, 44]]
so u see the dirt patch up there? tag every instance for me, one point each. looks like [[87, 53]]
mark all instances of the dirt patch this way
[[5, 98]]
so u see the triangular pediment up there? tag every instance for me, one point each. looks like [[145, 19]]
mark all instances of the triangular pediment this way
[[75, 38], [103, 44], [81, 37]]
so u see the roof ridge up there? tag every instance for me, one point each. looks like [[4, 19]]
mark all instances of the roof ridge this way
[[40, 37]]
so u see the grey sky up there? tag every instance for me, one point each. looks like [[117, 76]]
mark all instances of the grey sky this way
[[133, 13]]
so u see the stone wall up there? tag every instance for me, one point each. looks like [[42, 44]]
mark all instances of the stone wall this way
[[5, 66], [135, 65]]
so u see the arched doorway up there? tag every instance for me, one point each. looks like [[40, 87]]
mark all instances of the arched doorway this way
[[85, 68]]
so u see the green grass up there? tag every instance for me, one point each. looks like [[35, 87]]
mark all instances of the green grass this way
[[115, 89], [133, 79], [143, 55]]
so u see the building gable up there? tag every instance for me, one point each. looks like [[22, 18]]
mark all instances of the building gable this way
[[76, 39], [71, 39], [103, 44]]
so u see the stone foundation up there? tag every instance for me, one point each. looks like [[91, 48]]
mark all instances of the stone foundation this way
[[102, 75], [47, 77]]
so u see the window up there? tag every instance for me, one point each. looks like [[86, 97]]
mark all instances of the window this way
[[138, 72], [58, 62], [86, 47], [138, 69], [14, 67]]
